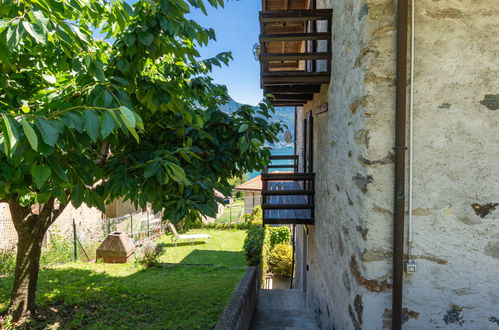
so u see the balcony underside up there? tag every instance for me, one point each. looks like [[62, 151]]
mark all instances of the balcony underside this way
[[289, 51]]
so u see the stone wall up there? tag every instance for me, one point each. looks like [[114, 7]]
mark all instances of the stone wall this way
[[456, 238]]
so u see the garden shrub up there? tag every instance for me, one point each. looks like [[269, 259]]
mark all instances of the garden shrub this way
[[253, 245], [149, 253], [280, 260], [58, 251], [279, 235], [7, 261]]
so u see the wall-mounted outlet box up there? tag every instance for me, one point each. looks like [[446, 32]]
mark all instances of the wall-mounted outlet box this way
[[410, 267]]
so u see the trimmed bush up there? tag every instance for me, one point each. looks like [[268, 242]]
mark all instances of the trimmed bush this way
[[280, 260], [279, 235], [253, 245]]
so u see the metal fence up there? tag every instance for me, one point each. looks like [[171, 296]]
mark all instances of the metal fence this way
[[8, 234]]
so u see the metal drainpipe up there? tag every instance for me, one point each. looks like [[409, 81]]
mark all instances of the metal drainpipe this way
[[400, 147]]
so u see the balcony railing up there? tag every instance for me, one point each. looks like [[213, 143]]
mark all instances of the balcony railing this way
[[288, 197]]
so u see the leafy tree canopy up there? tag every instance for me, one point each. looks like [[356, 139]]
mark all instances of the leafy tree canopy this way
[[134, 115]]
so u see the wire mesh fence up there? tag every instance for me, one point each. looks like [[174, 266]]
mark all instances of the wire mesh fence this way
[[79, 240]]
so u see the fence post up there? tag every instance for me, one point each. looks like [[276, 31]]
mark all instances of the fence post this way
[[148, 234], [230, 215], [131, 223], [75, 238]]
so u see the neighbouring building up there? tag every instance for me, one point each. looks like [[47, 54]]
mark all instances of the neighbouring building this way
[[363, 128], [252, 192]]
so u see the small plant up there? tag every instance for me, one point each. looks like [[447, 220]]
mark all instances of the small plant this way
[[7, 260], [253, 245], [58, 251], [280, 260], [149, 254]]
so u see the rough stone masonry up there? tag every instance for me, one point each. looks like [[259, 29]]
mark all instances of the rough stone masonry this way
[[456, 169]]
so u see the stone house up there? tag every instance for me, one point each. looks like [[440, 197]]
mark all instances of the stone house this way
[[406, 165]]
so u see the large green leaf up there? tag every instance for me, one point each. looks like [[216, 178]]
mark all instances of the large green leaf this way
[[91, 122], [12, 130], [59, 170], [34, 31], [77, 195], [146, 38], [40, 174], [30, 134], [107, 124], [13, 37], [127, 117], [50, 133]]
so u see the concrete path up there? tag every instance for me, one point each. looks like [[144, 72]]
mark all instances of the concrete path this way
[[282, 310]]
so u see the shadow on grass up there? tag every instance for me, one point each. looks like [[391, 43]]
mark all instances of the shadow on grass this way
[[170, 297]]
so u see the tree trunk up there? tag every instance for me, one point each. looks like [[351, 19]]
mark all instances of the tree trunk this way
[[29, 247], [31, 229]]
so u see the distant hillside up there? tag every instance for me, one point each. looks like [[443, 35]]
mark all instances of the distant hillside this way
[[284, 114]]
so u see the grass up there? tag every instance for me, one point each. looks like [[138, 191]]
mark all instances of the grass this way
[[126, 296]]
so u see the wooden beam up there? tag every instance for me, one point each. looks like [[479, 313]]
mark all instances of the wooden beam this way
[[293, 97], [285, 221], [295, 36], [270, 16], [283, 157], [307, 89], [287, 206], [287, 192], [284, 78], [295, 56], [287, 176], [288, 104]]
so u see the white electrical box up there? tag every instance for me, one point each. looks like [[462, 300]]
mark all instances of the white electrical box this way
[[410, 267]]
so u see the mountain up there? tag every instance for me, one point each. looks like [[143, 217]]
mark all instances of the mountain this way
[[284, 114]]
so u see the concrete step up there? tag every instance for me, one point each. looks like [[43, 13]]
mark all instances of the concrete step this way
[[282, 310]]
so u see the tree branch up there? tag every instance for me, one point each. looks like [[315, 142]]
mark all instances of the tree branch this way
[[104, 152]]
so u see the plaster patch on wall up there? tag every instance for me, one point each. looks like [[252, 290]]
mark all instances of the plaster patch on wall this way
[[407, 314], [492, 249], [491, 101], [380, 210], [454, 315], [346, 281], [446, 13], [445, 106], [482, 210], [388, 159], [421, 212], [377, 285], [380, 255], [362, 181], [363, 231], [362, 137], [375, 255], [364, 10], [350, 202], [359, 307], [355, 322]]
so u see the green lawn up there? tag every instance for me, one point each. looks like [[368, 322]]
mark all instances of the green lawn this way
[[125, 296]]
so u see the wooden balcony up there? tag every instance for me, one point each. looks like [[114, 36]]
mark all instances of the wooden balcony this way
[[289, 52], [288, 197]]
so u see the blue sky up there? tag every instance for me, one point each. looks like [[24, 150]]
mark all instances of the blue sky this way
[[237, 29]]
